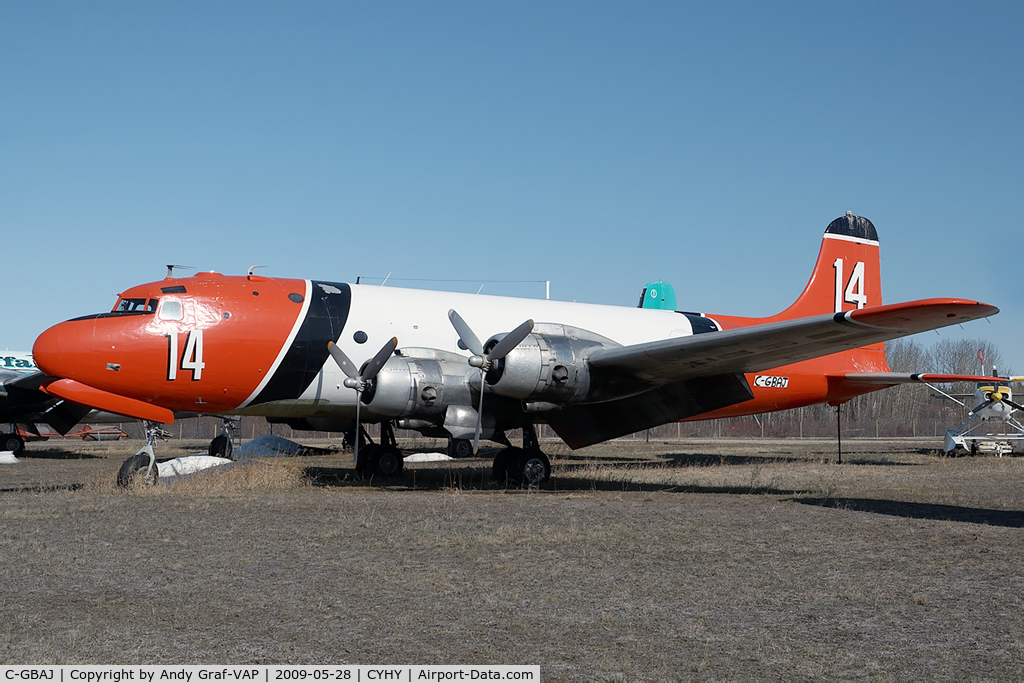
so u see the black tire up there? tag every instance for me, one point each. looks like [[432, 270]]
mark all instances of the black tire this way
[[13, 443], [131, 471], [366, 459], [460, 448], [387, 462], [503, 461], [531, 469], [221, 447]]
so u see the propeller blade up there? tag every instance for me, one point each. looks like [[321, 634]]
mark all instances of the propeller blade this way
[[981, 407], [510, 341], [346, 365], [359, 434], [471, 341], [479, 415], [372, 368], [378, 361], [1013, 405]]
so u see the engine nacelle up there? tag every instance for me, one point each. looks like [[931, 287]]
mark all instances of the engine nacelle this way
[[549, 365], [420, 383]]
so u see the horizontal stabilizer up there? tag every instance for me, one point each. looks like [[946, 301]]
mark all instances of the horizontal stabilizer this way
[[77, 392], [892, 378]]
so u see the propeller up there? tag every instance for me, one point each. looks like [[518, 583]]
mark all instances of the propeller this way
[[357, 380], [486, 360], [995, 397]]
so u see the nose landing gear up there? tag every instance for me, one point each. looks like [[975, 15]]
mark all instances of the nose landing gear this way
[[141, 468]]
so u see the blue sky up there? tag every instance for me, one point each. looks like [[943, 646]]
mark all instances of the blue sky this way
[[597, 145]]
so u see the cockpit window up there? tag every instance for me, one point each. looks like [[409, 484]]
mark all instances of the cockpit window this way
[[136, 306], [171, 310]]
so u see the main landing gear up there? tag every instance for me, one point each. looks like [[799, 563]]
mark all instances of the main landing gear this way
[[526, 466], [382, 459], [141, 469], [12, 442], [460, 448]]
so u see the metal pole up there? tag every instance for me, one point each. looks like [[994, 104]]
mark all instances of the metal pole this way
[[839, 433]]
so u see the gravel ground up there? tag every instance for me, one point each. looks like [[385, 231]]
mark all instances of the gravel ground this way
[[688, 559]]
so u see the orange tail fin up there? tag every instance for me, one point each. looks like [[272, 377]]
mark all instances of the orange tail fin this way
[[846, 276]]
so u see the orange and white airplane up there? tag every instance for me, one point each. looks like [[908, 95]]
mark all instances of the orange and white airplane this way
[[252, 345]]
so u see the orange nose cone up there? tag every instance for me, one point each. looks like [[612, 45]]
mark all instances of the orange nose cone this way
[[57, 349], [46, 351]]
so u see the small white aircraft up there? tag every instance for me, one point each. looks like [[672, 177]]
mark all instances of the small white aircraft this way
[[23, 405], [993, 409]]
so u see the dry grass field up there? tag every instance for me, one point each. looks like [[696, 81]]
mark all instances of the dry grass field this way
[[711, 559]]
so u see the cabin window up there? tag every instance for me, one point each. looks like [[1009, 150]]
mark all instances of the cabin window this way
[[171, 310]]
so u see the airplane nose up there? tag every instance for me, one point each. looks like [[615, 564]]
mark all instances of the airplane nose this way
[[55, 349]]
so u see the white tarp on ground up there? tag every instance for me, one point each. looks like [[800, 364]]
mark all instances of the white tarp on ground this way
[[427, 457], [267, 446], [7, 458], [188, 465]]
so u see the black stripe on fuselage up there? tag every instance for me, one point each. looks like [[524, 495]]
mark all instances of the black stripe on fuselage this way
[[329, 304], [700, 323]]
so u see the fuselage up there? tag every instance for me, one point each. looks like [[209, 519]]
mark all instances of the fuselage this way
[[17, 361], [253, 345]]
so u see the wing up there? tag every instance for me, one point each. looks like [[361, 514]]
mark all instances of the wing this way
[[672, 379], [22, 401], [759, 347]]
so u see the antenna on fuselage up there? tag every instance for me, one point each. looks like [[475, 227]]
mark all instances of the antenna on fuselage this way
[[171, 267], [252, 268]]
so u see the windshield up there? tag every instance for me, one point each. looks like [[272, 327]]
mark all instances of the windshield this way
[[135, 306]]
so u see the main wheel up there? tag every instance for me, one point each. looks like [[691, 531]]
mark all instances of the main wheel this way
[[366, 459], [386, 461], [530, 469], [221, 447], [134, 470], [13, 443], [503, 461], [460, 448]]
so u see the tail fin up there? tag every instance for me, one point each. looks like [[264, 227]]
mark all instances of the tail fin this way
[[846, 276]]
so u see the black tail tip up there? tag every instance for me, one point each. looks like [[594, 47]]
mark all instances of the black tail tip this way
[[852, 226]]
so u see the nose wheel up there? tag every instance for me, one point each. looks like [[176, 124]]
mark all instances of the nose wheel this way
[[141, 468]]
